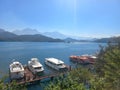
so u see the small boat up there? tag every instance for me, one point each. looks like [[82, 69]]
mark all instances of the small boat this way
[[83, 59], [35, 66], [55, 64], [16, 70]]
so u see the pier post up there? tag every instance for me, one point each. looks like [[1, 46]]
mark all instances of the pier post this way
[[52, 78], [70, 68], [64, 75]]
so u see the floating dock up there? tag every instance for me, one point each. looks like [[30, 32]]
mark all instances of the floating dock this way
[[30, 78]]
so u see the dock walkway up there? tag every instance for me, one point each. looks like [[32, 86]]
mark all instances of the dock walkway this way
[[30, 78]]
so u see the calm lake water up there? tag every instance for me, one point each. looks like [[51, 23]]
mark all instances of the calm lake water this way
[[24, 51]]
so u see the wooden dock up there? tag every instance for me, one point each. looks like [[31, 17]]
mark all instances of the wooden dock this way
[[30, 78]]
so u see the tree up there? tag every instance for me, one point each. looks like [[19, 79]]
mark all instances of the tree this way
[[110, 69]]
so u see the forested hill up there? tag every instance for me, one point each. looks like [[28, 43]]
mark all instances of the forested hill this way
[[105, 40], [8, 36]]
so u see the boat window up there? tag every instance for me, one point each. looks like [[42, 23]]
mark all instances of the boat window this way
[[38, 68], [51, 62], [59, 64]]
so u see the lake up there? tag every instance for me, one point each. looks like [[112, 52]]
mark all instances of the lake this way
[[24, 51]]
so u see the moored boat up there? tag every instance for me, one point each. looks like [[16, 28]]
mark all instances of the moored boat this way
[[35, 66], [55, 64], [84, 59], [16, 70]]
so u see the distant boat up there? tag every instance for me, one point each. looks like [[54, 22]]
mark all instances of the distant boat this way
[[35, 66], [83, 59], [16, 70], [55, 64]]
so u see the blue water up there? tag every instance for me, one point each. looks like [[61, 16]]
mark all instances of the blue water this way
[[24, 51]]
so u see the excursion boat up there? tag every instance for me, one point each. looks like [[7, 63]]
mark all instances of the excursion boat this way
[[83, 59], [35, 66], [16, 70], [55, 64]]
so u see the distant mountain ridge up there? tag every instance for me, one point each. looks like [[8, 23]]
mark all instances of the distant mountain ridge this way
[[75, 40], [29, 31], [8, 36], [5, 35], [26, 31], [106, 40], [35, 38], [55, 34], [2, 30]]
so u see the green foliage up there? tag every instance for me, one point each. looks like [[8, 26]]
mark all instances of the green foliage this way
[[108, 66], [11, 86], [14, 86], [73, 81]]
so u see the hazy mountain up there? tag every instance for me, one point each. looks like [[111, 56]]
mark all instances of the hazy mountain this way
[[82, 38], [66, 37], [35, 38], [5, 35], [70, 40], [55, 35], [26, 31], [75, 40], [2, 30], [8, 36], [111, 39]]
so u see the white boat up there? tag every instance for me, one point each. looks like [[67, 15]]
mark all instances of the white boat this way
[[55, 64], [35, 66], [16, 70]]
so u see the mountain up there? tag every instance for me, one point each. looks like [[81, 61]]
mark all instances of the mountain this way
[[29, 31], [111, 39], [81, 38], [8, 36], [35, 38], [2, 30], [75, 40], [67, 38], [70, 40], [26, 31], [55, 35], [5, 35]]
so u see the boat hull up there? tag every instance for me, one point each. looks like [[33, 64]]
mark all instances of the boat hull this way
[[17, 75], [82, 59], [16, 70]]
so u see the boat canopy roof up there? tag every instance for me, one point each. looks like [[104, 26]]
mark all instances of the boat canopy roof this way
[[91, 56], [35, 62], [16, 67], [54, 60]]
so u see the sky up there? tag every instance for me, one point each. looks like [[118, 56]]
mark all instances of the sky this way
[[84, 18]]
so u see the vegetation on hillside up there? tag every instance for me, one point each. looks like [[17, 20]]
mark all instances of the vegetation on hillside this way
[[106, 40], [11, 86]]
